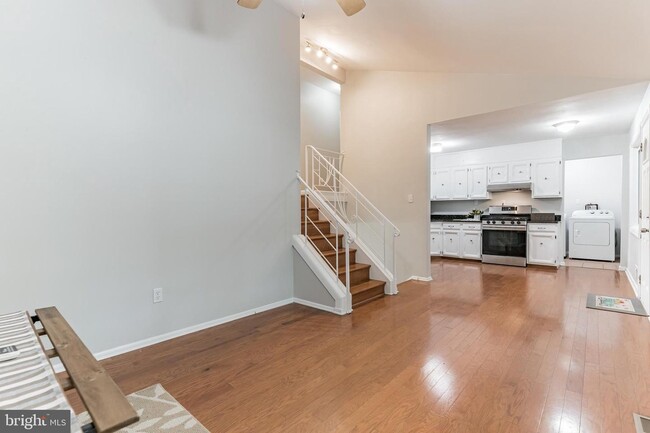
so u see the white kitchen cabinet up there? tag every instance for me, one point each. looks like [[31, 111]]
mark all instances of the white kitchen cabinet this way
[[471, 244], [477, 183], [547, 178], [519, 172], [451, 240], [498, 174], [543, 244], [459, 187], [441, 185], [435, 240]]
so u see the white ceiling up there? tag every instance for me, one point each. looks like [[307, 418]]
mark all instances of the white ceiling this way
[[597, 38], [607, 112]]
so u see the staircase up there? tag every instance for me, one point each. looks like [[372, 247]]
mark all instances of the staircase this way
[[330, 247]]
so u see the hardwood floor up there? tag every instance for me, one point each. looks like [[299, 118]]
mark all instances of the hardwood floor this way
[[482, 348]]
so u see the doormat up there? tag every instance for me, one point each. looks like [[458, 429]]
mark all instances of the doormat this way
[[616, 304]]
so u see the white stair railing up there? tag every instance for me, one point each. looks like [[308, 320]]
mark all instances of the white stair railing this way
[[337, 238], [373, 233]]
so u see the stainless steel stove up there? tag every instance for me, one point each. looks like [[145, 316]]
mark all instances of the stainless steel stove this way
[[505, 235]]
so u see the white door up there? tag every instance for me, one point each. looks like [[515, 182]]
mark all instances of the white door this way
[[451, 244], [644, 259], [471, 245], [542, 248], [442, 185], [519, 172], [498, 174], [547, 178], [460, 183], [436, 243], [478, 182]]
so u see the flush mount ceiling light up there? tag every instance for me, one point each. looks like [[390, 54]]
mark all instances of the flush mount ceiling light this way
[[567, 126], [350, 7], [435, 148]]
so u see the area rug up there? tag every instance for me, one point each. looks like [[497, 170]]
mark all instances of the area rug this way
[[616, 304], [159, 412]]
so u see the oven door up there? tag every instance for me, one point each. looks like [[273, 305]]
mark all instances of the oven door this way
[[504, 245]]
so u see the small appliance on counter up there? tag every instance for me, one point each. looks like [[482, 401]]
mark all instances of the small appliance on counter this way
[[505, 235]]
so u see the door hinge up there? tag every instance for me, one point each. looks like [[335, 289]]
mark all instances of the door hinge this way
[[639, 280], [555, 236], [640, 214]]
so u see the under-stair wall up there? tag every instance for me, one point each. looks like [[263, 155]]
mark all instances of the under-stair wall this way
[[308, 289]]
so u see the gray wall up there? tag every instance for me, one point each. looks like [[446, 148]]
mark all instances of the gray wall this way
[[147, 144], [306, 284]]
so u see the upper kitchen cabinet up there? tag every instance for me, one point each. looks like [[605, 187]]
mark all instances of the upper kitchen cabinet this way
[[476, 174], [520, 171], [441, 188], [498, 174], [547, 178], [477, 183], [459, 188]]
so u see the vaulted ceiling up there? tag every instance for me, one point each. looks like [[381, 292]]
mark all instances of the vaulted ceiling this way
[[596, 38]]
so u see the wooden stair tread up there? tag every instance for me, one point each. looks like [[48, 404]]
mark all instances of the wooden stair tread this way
[[315, 222], [333, 253], [354, 267], [328, 236], [368, 285]]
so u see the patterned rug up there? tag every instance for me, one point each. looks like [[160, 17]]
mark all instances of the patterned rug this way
[[159, 412], [616, 304]]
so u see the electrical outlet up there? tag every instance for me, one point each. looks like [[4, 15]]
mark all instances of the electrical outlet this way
[[157, 295]]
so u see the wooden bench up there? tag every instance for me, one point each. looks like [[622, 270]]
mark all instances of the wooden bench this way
[[106, 404]]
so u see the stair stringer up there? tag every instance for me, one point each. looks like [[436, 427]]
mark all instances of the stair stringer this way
[[338, 291]]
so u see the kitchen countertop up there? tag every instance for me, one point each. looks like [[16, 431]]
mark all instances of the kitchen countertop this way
[[454, 218]]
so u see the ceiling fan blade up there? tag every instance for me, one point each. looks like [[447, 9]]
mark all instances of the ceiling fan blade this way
[[250, 4], [351, 7]]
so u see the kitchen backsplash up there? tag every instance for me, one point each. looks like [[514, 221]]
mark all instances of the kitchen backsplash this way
[[508, 197]]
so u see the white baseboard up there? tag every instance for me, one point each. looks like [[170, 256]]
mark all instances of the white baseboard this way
[[317, 306], [632, 281], [58, 367], [423, 279]]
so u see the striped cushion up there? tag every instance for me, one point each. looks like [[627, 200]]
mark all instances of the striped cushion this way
[[28, 381]]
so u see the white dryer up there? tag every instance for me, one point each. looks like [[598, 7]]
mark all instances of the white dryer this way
[[592, 235]]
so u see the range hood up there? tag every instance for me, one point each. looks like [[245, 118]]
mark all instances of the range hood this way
[[508, 186]]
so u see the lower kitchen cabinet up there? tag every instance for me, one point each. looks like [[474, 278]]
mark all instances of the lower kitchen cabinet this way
[[460, 240], [436, 242], [451, 243], [471, 245], [543, 244]]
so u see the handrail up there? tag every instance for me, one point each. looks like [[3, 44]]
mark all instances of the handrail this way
[[312, 148], [369, 228]]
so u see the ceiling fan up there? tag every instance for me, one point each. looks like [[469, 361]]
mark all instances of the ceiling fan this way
[[350, 7]]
